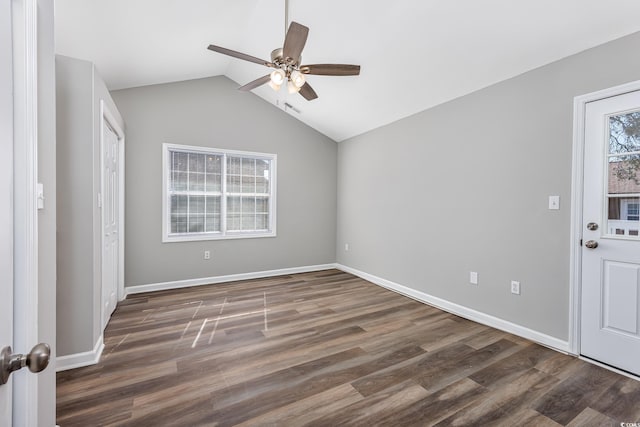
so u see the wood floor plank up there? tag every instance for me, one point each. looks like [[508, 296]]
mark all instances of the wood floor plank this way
[[435, 406], [621, 400], [565, 401], [592, 418], [368, 412], [307, 410], [326, 348]]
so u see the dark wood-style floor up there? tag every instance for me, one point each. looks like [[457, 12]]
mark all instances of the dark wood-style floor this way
[[327, 349]]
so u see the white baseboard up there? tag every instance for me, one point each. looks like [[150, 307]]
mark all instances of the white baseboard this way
[[129, 290], [463, 311], [78, 360]]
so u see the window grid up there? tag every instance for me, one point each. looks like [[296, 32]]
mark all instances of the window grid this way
[[247, 194], [194, 189], [217, 194]]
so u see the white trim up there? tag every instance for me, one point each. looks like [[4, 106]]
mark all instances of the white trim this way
[[462, 311], [610, 368], [25, 74], [121, 193], [106, 116], [152, 287], [577, 184], [79, 360]]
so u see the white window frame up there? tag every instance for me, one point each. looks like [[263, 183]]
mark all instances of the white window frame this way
[[167, 236]]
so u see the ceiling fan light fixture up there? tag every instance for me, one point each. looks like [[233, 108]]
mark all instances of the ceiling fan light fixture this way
[[278, 77], [292, 87], [274, 86], [297, 78]]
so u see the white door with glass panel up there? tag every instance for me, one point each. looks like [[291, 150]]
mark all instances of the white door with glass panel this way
[[610, 309], [111, 223]]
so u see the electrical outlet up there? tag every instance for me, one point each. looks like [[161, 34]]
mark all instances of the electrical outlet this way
[[207, 254], [473, 278], [346, 247], [515, 287]]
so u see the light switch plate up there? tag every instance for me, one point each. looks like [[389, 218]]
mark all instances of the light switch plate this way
[[554, 203], [40, 195], [473, 278]]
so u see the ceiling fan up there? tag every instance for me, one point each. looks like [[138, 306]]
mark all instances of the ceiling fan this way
[[286, 62]]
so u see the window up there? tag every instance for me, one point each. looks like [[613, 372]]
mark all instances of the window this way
[[633, 211], [217, 194]]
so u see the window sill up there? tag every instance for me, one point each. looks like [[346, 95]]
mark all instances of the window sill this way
[[228, 236]]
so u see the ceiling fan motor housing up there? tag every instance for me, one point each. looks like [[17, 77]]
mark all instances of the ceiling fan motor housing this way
[[278, 59]]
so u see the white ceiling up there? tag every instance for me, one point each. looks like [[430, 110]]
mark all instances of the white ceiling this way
[[414, 53]]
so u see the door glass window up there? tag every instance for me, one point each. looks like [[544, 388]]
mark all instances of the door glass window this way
[[623, 184]]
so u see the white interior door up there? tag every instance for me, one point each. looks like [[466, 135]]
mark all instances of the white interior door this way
[[610, 309], [111, 221], [6, 204]]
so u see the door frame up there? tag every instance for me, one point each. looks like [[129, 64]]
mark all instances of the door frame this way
[[107, 117], [577, 186], [25, 108]]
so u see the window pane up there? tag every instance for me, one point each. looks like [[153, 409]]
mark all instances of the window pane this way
[[262, 205], [233, 183], [262, 185], [196, 223], [248, 184], [179, 181], [213, 182], [248, 205], [178, 223], [233, 222], [233, 204], [196, 205], [248, 167], [214, 164], [179, 161], [262, 222], [262, 168], [179, 204], [212, 223], [623, 196], [624, 174], [248, 222], [233, 165], [624, 133], [196, 162], [213, 205], [196, 181]]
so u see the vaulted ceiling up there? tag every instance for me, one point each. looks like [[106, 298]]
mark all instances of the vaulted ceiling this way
[[414, 54]]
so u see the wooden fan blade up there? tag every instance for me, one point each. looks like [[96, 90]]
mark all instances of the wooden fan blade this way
[[239, 55], [294, 42], [331, 69], [307, 92], [254, 84]]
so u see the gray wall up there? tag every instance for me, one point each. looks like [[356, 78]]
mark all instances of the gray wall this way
[[212, 113], [79, 90], [463, 187], [74, 171]]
